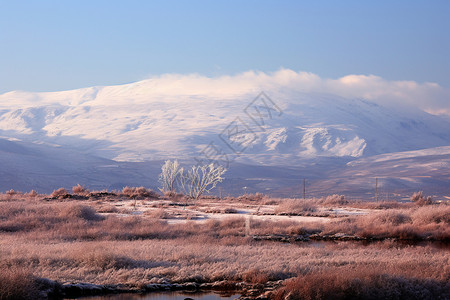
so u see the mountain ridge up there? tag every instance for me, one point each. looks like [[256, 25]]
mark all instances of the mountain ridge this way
[[140, 124], [136, 126]]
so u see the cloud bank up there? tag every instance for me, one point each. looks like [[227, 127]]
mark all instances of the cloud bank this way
[[427, 96]]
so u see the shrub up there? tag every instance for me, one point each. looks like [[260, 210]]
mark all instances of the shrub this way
[[11, 192], [142, 192], [391, 218], [251, 197], [80, 211], [31, 194], [295, 207], [419, 199], [139, 192], [159, 213], [79, 190], [335, 200], [59, 193], [128, 191]]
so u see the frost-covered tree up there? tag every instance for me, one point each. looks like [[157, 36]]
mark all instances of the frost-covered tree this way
[[200, 179], [171, 171]]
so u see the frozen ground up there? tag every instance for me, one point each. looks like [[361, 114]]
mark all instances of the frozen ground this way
[[218, 210]]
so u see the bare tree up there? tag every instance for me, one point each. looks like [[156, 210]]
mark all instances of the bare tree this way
[[200, 179], [171, 171]]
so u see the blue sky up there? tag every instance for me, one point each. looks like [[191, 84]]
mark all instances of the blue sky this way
[[58, 45]]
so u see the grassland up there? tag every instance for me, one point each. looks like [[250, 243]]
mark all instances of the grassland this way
[[331, 249]]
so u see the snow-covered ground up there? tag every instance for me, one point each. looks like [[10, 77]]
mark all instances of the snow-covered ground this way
[[210, 210]]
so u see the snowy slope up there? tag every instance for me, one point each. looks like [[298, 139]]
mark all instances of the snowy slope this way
[[149, 120], [45, 167], [425, 170]]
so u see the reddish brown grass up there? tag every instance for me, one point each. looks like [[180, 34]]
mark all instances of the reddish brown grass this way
[[69, 241], [362, 283], [296, 207], [16, 283]]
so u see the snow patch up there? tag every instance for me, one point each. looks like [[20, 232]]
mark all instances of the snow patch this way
[[323, 141], [275, 137]]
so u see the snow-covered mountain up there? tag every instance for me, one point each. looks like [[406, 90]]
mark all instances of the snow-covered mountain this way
[[141, 121], [109, 136]]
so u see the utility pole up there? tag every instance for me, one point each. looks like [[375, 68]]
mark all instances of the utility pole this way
[[376, 189], [304, 188]]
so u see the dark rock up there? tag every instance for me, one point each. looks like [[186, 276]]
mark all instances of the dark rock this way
[[81, 289], [49, 289], [98, 195]]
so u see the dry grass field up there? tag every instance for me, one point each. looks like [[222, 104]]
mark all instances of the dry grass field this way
[[321, 248]]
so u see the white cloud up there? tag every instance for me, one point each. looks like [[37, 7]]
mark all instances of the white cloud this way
[[427, 96]]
